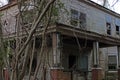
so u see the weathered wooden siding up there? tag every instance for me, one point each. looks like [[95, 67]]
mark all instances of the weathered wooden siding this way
[[96, 18], [8, 19]]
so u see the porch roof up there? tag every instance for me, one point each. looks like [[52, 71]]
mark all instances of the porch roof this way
[[105, 40]]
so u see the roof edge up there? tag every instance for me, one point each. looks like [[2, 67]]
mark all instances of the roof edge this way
[[100, 7]]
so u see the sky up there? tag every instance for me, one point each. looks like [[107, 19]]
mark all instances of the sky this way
[[3, 2], [116, 7]]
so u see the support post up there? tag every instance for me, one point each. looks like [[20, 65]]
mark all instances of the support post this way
[[96, 71], [56, 70], [96, 53], [56, 49], [118, 47]]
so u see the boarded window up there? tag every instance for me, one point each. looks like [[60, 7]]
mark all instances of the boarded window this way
[[83, 63], [112, 62]]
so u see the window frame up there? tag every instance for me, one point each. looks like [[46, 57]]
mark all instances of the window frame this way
[[112, 66], [78, 19], [117, 30], [108, 28], [74, 17]]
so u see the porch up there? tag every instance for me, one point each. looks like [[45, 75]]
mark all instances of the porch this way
[[79, 53]]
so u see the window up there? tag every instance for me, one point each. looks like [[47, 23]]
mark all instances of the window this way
[[112, 62], [78, 19], [108, 26], [82, 21], [117, 30], [74, 17], [38, 42]]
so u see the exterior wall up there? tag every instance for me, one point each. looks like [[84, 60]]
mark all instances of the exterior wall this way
[[96, 22], [104, 53], [96, 18], [8, 19]]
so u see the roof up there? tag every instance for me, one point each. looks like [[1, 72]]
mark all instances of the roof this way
[[88, 2], [102, 8]]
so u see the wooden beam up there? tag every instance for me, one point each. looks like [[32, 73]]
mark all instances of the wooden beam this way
[[84, 34]]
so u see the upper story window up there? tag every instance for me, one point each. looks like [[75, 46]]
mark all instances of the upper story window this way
[[117, 30], [112, 62], [74, 17], [108, 26], [78, 19], [82, 19]]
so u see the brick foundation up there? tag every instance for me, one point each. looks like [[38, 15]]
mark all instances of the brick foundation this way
[[6, 74], [97, 74], [58, 74]]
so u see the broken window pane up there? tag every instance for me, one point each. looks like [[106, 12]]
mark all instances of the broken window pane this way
[[74, 17], [108, 26], [117, 30], [82, 19]]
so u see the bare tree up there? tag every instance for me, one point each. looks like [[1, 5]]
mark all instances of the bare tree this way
[[33, 15], [41, 10]]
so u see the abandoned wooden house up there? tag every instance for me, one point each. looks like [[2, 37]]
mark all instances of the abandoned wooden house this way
[[84, 43]]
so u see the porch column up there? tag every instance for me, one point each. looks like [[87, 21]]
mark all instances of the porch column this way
[[96, 54], [118, 47], [56, 69], [56, 48], [96, 70]]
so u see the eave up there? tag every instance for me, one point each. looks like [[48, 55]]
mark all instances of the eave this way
[[83, 34]]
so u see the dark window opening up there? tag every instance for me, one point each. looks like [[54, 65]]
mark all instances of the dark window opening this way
[[72, 62], [108, 26], [38, 42], [34, 65], [117, 30]]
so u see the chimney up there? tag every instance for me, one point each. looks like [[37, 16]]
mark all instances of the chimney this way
[[10, 1]]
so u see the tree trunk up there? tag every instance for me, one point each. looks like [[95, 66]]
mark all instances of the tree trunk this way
[[1, 74]]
